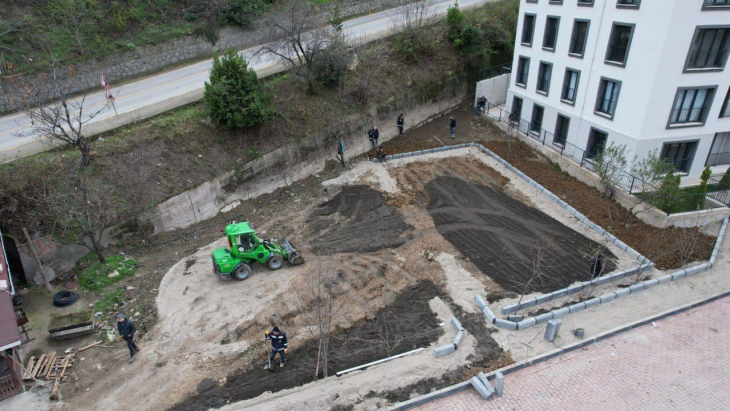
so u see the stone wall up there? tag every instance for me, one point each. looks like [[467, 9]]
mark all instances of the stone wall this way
[[494, 89], [153, 58]]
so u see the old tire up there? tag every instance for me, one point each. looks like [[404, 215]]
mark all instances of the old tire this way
[[65, 298], [275, 262], [242, 271]]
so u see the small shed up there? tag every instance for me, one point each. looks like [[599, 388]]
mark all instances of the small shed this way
[[10, 371]]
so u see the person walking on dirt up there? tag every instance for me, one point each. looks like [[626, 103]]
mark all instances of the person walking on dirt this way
[[279, 344], [452, 127], [374, 135], [126, 329], [401, 124], [380, 154]]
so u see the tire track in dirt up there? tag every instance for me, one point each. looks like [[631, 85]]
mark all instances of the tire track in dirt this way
[[502, 235]]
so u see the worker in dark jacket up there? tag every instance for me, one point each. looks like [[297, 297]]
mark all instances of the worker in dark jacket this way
[[279, 344], [452, 127], [401, 123], [373, 136], [126, 329]]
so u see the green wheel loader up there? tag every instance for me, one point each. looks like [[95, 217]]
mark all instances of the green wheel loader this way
[[245, 249]]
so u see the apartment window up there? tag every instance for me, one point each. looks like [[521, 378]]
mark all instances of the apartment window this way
[[588, 3], [607, 97], [543, 77], [528, 29], [691, 106], [516, 109], [680, 154], [536, 123], [715, 4], [720, 150], [596, 143], [709, 49], [619, 44], [523, 69], [551, 33], [570, 86], [557, 2], [562, 124], [579, 38], [628, 4], [725, 110]]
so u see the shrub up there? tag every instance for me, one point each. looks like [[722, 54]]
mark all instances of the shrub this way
[[725, 181], [702, 189], [234, 96], [332, 63], [454, 18], [670, 192], [242, 12], [96, 275]]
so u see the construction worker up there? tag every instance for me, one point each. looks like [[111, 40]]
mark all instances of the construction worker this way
[[126, 329], [380, 154], [373, 136], [401, 123], [481, 104], [452, 127], [279, 344]]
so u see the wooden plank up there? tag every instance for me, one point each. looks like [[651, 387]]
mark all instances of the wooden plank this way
[[31, 363], [64, 366], [89, 346], [47, 366], [54, 392], [38, 366], [50, 365]]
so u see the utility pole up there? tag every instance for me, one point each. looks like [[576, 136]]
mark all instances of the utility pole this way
[[38, 261]]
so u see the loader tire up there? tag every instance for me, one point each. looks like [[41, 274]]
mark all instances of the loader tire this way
[[275, 262], [242, 271]]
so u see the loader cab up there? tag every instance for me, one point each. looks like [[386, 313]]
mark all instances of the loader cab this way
[[241, 238], [246, 243]]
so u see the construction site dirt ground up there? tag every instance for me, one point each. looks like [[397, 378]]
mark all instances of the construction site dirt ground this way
[[400, 261]]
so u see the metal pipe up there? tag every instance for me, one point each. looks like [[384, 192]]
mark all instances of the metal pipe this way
[[378, 362]]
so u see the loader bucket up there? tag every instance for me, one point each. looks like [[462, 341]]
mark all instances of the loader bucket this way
[[292, 255]]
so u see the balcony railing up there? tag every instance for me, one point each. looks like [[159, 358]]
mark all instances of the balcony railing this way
[[718, 159], [688, 115], [707, 59]]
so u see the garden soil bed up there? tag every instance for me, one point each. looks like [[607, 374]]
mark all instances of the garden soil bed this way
[[668, 248], [358, 220], [502, 236], [407, 323]]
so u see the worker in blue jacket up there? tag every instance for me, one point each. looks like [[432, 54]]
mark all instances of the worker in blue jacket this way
[[279, 344]]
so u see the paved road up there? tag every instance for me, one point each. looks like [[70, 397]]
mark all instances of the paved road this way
[[152, 95], [682, 363]]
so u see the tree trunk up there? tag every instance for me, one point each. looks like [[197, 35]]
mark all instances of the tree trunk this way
[[85, 149], [325, 348]]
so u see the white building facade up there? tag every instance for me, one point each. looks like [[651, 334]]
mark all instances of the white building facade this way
[[648, 74]]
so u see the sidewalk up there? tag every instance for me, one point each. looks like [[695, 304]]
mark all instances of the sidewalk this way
[[680, 363]]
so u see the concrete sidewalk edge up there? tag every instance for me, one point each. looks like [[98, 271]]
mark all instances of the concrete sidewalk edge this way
[[453, 389]]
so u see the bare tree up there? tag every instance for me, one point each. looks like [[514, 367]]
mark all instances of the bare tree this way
[[599, 258], [647, 175], [82, 207], [55, 116], [609, 165], [302, 35], [320, 298], [537, 268], [411, 17], [131, 173]]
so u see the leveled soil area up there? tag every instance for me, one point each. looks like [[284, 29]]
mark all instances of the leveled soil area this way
[[405, 324], [505, 237], [668, 248], [356, 220]]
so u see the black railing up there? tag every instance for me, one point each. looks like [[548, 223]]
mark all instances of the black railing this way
[[718, 196], [494, 71], [688, 115], [718, 159], [707, 59]]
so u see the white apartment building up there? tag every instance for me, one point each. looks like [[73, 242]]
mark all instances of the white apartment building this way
[[649, 74]]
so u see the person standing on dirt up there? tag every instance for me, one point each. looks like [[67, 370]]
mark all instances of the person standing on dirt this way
[[481, 104], [126, 329], [380, 154], [452, 127], [374, 135], [279, 344], [401, 124]]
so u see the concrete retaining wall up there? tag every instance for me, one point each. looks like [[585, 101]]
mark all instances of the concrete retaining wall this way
[[494, 89]]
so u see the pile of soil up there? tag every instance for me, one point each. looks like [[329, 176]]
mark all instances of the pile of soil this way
[[502, 237], [358, 220], [407, 323], [668, 248]]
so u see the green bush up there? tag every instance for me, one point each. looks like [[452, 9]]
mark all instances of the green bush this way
[[412, 47], [242, 12], [109, 301], [331, 63], [95, 275], [670, 189], [234, 96], [454, 18], [702, 189], [725, 181]]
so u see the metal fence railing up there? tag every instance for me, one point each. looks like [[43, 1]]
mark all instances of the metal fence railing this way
[[718, 196], [494, 71]]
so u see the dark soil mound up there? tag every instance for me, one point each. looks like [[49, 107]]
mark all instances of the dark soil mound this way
[[407, 323], [502, 236], [356, 220]]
